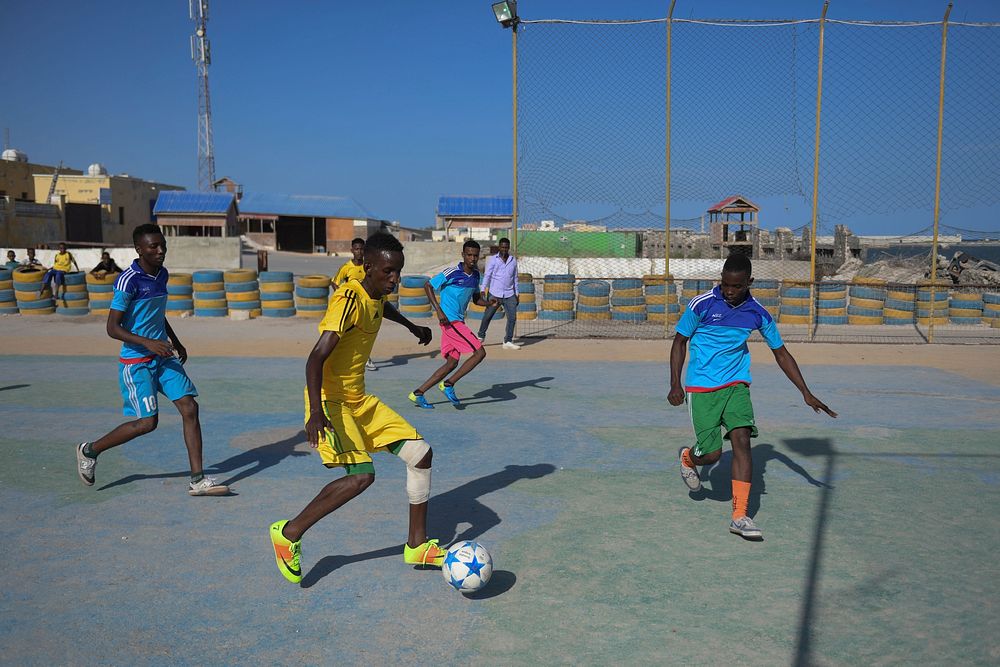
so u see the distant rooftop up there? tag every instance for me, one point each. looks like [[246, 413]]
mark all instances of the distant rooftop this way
[[310, 206], [476, 205], [181, 201]]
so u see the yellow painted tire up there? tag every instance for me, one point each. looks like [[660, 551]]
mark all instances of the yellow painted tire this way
[[310, 301], [476, 309], [558, 288], [244, 296], [656, 299], [32, 296], [935, 305], [277, 287], [927, 320], [28, 277], [863, 319], [392, 298], [992, 307], [100, 311], [594, 300], [794, 301], [901, 296], [690, 293], [178, 297], [604, 315], [769, 293], [9, 284], [525, 277], [527, 315], [793, 319], [858, 302], [239, 275], [411, 292], [318, 280], [82, 287], [254, 312], [311, 314], [179, 279], [831, 312], [629, 293], [630, 309], [38, 311], [898, 314], [824, 296], [662, 317], [210, 303], [530, 298], [868, 281], [419, 311], [996, 323], [208, 287], [964, 312], [108, 279], [284, 303], [654, 279], [965, 296], [561, 304]]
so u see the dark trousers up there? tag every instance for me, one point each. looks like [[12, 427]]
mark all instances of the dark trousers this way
[[510, 312]]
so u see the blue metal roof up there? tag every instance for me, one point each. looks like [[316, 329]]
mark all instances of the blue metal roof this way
[[310, 206], [181, 201], [478, 205]]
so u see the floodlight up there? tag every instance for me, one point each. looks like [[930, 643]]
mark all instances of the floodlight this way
[[506, 13]]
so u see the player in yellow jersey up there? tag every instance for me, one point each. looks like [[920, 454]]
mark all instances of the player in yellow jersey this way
[[346, 424], [354, 270], [61, 265]]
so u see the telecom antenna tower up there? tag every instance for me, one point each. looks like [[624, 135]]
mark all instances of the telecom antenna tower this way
[[201, 53]]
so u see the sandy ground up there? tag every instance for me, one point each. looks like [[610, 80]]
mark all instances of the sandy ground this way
[[294, 337]]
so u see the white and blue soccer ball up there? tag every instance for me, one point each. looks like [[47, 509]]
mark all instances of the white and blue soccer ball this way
[[467, 567]]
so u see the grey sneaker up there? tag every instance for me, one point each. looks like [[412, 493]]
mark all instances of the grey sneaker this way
[[370, 366], [207, 487], [85, 465], [689, 475], [745, 527]]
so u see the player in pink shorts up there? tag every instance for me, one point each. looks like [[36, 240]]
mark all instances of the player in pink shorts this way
[[458, 285]]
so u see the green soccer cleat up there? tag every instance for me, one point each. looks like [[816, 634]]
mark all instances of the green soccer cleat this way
[[287, 554], [428, 553]]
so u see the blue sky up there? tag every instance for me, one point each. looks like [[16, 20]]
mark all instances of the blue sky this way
[[363, 99]]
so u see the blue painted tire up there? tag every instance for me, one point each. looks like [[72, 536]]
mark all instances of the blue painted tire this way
[[898, 321], [100, 289], [661, 308], [556, 315], [899, 304], [965, 320], [6, 295], [991, 297], [594, 288], [557, 296], [270, 296], [33, 305], [413, 301], [211, 312], [768, 300], [526, 308], [413, 281], [656, 290], [73, 312], [831, 319], [75, 278], [925, 295], [822, 287], [827, 304], [626, 283], [210, 294], [474, 315], [867, 292], [207, 277], [560, 278], [794, 310], [9, 311], [6, 274], [582, 308], [275, 277], [627, 317], [180, 289], [863, 312], [246, 286], [244, 305], [971, 305], [100, 304], [312, 292], [180, 304], [764, 283], [795, 292], [526, 288], [628, 300], [278, 312], [73, 296]]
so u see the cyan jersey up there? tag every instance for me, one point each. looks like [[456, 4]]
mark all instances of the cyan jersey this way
[[456, 288], [143, 299], [719, 332]]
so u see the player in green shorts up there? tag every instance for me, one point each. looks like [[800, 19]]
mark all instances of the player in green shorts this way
[[717, 384]]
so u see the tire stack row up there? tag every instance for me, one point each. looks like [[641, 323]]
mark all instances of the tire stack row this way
[[594, 300], [29, 302], [900, 306], [180, 294], [831, 304], [100, 292], [965, 307], [991, 309], [412, 298], [628, 302], [242, 291], [661, 298], [277, 290], [8, 302], [932, 311], [557, 297], [209, 294], [768, 294], [692, 288], [794, 304], [75, 301], [312, 296], [867, 302], [527, 309]]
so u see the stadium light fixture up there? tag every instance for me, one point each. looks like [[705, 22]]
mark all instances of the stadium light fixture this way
[[506, 13]]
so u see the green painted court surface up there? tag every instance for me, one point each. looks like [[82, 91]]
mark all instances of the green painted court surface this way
[[880, 527]]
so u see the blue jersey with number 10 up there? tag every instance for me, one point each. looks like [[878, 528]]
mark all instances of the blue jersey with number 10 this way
[[143, 300]]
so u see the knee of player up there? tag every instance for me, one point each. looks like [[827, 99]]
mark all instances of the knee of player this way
[[480, 353], [426, 460], [188, 407], [146, 424], [451, 363], [361, 482]]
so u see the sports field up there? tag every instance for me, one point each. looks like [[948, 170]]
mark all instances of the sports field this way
[[880, 527]]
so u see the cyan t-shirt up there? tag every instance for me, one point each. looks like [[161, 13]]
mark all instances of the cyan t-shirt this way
[[456, 288], [143, 299]]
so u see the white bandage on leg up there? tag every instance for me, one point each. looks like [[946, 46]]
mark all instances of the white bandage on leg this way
[[418, 480]]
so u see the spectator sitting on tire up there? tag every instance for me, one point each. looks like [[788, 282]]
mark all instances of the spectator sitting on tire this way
[[106, 266]]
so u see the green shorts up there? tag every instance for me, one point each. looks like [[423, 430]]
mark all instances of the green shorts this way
[[729, 407]]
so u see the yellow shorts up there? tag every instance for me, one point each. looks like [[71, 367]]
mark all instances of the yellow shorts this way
[[359, 427]]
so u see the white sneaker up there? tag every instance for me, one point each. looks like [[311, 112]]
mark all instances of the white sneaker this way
[[689, 475], [85, 465], [207, 487], [482, 339], [511, 345], [745, 527], [370, 366]]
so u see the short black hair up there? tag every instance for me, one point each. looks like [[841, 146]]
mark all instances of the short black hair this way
[[504, 240], [471, 244], [381, 242], [737, 263], [142, 230], [357, 241]]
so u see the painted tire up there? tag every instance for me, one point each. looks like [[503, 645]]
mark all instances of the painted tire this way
[[100, 289], [207, 277], [527, 297], [527, 315], [39, 311], [594, 288], [314, 281], [828, 304], [75, 278], [583, 308], [210, 304], [278, 305], [312, 292], [772, 302], [833, 296], [557, 296], [240, 297], [965, 320], [247, 286], [108, 279], [594, 301], [526, 288], [526, 307], [898, 295], [179, 279], [927, 320], [275, 277], [964, 313], [556, 306], [831, 319], [278, 312], [965, 296], [832, 312], [892, 313], [558, 288], [186, 304], [244, 305], [211, 312], [992, 298], [785, 318], [209, 287], [867, 293], [626, 283], [308, 301], [73, 312], [74, 296], [629, 309], [41, 304], [628, 301], [6, 295], [32, 277], [26, 297], [794, 301], [314, 307], [273, 296], [179, 290], [560, 278], [627, 316], [240, 276], [658, 299], [864, 320], [277, 286], [412, 292], [795, 292], [309, 314], [415, 301], [413, 281], [7, 284], [794, 310], [898, 321], [871, 304], [898, 304], [925, 295], [827, 286], [864, 312], [597, 315], [8, 310], [656, 290], [556, 315]]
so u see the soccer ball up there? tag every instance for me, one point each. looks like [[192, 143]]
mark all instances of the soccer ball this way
[[467, 567]]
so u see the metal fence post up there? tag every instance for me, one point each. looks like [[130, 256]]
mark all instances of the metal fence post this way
[[937, 175], [815, 198]]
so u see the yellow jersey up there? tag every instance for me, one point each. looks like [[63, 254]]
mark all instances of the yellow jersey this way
[[356, 318], [349, 271], [63, 261]]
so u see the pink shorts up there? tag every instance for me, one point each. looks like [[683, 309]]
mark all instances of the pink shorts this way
[[457, 339]]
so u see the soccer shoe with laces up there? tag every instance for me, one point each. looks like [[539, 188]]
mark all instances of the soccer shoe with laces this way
[[449, 393], [745, 527], [207, 487], [370, 366], [689, 475], [511, 345], [428, 553], [420, 401], [85, 465], [287, 554]]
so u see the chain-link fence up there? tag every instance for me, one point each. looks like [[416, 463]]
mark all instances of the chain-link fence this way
[[595, 170]]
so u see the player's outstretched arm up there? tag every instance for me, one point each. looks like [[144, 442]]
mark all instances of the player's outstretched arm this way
[[160, 348], [423, 334], [786, 362], [432, 297], [182, 354], [317, 422], [678, 352]]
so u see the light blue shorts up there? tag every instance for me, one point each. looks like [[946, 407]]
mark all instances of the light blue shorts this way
[[140, 383]]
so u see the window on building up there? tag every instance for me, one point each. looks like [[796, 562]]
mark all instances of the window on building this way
[[268, 227], [121, 215]]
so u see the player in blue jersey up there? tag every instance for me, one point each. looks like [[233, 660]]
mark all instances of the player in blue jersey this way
[[717, 385], [457, 285], [151, 362]]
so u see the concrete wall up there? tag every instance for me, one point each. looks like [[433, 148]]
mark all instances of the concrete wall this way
[[422, 256], [184, 254], [17, 179], [25, 223]]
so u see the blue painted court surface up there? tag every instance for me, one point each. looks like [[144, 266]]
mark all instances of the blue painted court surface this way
[[880, 527]]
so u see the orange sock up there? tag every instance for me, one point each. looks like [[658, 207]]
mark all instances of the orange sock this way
[[741, 495], [686, 457]]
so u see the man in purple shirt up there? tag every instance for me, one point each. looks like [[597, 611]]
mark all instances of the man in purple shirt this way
[[500, 282]]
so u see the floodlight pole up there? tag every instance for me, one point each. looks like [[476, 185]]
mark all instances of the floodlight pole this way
[[666, 198], [937, 175], [513, 222], [815, 197]]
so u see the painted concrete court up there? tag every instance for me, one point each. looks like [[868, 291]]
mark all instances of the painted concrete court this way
[[880, 526]]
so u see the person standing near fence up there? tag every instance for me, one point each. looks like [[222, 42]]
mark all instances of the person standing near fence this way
[[500, 280]]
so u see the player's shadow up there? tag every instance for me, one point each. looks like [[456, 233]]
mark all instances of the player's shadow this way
[[719, 476], [446, 512], [14, 386], [404, 359], [501, 392], [259, 459]]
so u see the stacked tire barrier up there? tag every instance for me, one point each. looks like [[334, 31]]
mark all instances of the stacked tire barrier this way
[[557, 297], [242, 291], [831, 303], [692, 288], [527, 308], [594, 300], [29, 301], [991, 309], [100, 292], [965, 307], [768, 294], [793, 307], [628, 302], [867, 303], [8, 302], [412, 298], [75, 301], [900, 306], [312, 295], [661, 298], [277, 293], [180, 294], [209, 294], [935, 311]]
